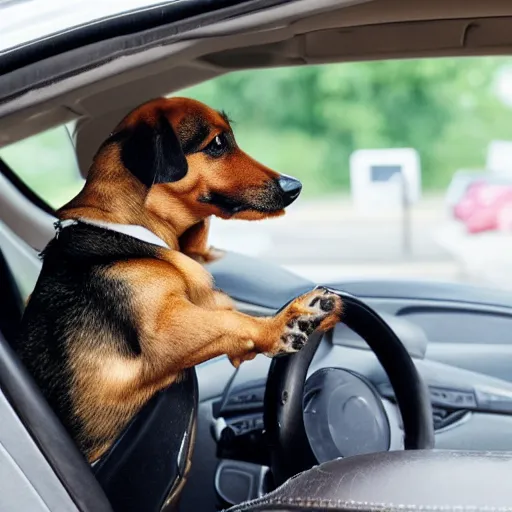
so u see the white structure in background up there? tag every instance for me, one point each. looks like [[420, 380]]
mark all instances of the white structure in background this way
[[380, 178]]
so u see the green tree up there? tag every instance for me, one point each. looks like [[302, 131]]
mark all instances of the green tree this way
[[311, 119]]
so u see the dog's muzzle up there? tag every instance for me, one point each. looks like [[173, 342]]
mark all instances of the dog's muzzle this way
[[273, 196]]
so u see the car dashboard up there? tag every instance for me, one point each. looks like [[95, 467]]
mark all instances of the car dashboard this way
[[458, 336]]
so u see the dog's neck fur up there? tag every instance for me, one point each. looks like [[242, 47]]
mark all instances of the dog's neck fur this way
[[126, 201]]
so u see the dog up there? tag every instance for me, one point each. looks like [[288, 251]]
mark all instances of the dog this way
[[124, 303]]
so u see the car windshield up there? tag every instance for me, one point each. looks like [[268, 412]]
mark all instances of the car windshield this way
[[406, 167], [24, 21]]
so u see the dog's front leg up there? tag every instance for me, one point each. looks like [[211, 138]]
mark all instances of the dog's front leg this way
[[191, 335], [221, 301], [194, 243]]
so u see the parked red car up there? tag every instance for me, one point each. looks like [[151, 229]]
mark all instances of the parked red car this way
[[485, 207]]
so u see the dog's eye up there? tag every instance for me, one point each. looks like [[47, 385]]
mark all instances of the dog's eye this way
[[218, 146]]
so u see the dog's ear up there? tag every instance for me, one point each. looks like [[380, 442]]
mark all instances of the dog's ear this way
[[153, 153]]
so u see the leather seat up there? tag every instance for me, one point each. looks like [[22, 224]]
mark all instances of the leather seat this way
[[11, 303], [419, 481]]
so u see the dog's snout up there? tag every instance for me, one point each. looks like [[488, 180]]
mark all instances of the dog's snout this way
[[290, 188]]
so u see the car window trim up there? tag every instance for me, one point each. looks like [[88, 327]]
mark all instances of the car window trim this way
[[24, 189], [123, 24]]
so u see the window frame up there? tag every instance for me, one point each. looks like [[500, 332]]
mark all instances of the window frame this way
[[24, 189]]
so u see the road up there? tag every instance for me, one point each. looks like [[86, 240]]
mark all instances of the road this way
[[328, 239]]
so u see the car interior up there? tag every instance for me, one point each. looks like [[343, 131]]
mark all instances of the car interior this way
[[406, 405]]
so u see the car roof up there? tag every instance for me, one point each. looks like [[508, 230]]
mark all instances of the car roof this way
[[24, 22]]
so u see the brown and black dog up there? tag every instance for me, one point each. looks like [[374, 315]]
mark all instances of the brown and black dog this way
[[113, 318]]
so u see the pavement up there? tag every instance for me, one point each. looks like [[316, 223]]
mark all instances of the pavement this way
[[329, 239], [485, 258]]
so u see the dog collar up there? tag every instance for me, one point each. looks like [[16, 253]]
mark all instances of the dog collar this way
[[135, 231]]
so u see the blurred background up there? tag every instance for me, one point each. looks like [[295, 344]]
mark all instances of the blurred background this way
[[438, 208]]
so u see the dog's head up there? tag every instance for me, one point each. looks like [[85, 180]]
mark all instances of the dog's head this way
[[181, 149]]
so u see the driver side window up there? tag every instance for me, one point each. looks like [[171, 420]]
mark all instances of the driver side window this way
[[47, 164]]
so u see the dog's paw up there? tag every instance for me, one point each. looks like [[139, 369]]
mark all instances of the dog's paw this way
[[317, 310]]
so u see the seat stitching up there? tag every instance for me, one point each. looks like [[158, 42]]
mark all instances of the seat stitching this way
[[376, 506], [383, 505]]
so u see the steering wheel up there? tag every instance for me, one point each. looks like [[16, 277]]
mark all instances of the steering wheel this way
[[417, 479], [290, 447]]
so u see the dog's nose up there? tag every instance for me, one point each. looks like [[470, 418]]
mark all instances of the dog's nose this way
[[291, 188]]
